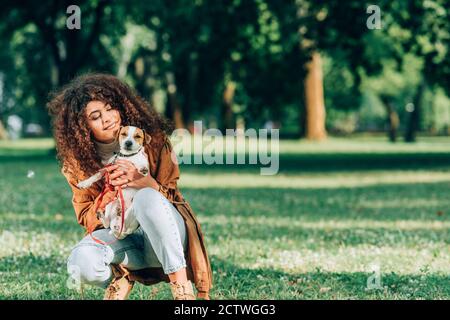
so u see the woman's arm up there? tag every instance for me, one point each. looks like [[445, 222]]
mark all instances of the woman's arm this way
[[83, 203], [168, 172]]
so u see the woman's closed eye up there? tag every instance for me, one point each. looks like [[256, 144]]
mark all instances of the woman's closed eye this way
[[96, 114]]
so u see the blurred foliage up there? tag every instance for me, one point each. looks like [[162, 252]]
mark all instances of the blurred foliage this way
[[261, 46]]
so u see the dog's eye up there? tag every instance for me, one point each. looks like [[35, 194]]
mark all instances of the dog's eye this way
[[123, 134], [138, 137]]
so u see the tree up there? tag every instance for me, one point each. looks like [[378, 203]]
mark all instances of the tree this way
[[314, 99], [428, 22], [51, 53]]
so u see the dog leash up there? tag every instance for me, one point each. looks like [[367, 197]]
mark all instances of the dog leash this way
[[109, 187]]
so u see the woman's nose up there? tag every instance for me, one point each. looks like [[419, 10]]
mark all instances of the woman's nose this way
[[106, 118]]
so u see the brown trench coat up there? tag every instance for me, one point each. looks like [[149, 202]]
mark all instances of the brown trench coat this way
[[166, 173]]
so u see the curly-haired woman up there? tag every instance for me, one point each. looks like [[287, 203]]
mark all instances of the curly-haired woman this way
[[168, 246]]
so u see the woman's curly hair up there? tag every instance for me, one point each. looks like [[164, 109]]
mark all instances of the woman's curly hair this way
[[74, 141]]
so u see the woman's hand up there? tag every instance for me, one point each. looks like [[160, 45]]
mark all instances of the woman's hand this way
[[125, 174], [107, 198]]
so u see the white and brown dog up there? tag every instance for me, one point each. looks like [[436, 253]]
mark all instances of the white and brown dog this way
[[131, 141]]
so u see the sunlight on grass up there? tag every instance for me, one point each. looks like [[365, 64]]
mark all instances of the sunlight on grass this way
[[331, 145], [330, 224], [399, 259], [371, 145], [28, 143], [39, 244], [310, 181]]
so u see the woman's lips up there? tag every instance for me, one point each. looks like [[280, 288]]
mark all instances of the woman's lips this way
[[110, 126]]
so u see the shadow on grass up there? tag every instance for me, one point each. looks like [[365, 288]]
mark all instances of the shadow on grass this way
[[32, 263], [233, 282], [319, 237], [33, 277], [339, 162], [11, 154], [323, 162], [380, 202], [38, 277]]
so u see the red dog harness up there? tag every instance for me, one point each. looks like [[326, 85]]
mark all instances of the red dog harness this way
[[109, 187]]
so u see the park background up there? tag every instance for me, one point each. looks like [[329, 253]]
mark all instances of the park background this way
[[360, 94]]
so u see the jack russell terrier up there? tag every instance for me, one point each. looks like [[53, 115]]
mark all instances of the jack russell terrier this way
[[131, 141]]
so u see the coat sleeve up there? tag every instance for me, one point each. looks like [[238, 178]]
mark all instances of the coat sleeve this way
[[168, 172], [83, 203]]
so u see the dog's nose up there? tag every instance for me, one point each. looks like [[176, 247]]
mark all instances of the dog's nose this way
[[128, 143]]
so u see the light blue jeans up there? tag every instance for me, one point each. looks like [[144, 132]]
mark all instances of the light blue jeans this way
[[160, 241]]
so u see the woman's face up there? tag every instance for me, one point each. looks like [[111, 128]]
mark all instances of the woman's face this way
[[103, 120]]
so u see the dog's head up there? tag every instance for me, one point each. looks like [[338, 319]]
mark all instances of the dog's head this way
[[131, 139]]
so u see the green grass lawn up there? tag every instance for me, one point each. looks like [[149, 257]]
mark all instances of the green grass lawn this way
[[314, 231]]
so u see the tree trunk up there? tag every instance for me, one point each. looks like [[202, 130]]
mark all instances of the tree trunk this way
[[228, 120], [414, 114], [393, 119], [314, 99], [3, 132], [302, 120], [175, 111]]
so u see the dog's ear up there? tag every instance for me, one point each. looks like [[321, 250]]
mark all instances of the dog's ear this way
[[118, 132], [147, 137]]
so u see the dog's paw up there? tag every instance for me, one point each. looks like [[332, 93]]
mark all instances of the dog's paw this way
[[116, 233], [101, 216], [143, 171], [121, 236]]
